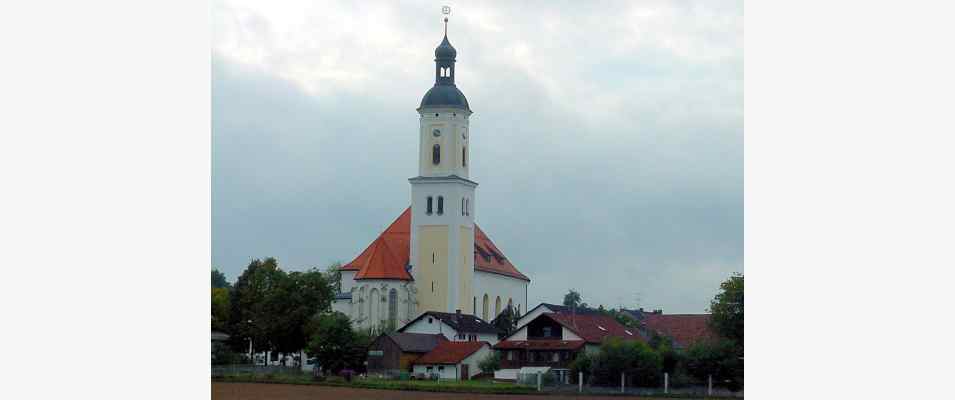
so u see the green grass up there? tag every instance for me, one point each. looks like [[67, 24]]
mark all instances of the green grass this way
[[474, 386]]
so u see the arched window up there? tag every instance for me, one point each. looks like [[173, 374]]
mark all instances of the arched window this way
[[467, 206], [361, 299], [464, 156], [485, 307], [436, 154], [430, 201], [440, 205], [392, 307], [462, 206], [474, 307], [497, 306]]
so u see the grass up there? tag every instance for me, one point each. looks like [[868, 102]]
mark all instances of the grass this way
[[474, 386]]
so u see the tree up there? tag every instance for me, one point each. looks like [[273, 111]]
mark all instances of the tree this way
[[218, 279], [251, 316], [642, 364], [333, 273], [727, 311], [572, 299], [220, 309], [506, 322], [490, 363], [333, 342]]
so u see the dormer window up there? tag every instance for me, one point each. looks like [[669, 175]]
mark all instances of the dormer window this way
[[601, 328]]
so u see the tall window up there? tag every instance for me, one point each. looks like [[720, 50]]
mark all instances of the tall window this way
[[430, 200], [440, 205], [474, 307], [485, 307], [436, 154], [497, 306], [464, 156], [392, 307]]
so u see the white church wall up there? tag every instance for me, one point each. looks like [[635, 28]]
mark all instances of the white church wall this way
[[495, 285], [370, 306], [348, 281]]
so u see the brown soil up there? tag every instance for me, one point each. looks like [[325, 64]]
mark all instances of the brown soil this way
[[268, 391]]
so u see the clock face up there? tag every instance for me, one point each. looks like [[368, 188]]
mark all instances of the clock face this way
[[436, 132]]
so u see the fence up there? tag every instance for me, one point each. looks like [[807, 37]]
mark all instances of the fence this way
[[552, 382], [235, 369]]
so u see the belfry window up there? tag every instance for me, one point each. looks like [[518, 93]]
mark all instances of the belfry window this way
[[430, 200], [462, 206], [464, 156], [440, 205], [436, 154]]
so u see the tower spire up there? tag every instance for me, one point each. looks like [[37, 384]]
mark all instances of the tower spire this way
[[446, 11]]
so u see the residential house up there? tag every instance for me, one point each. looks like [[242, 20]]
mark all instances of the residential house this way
[[554, 340], [685, 329], [392, 353], [457, 327], [552, 308], [452, 360]]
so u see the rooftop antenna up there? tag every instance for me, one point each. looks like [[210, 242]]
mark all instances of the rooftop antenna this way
[[446, 11]]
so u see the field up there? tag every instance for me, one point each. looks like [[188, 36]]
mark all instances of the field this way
[[264, 391]]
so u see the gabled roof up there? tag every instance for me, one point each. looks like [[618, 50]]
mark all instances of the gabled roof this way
[[462, 323], [416, 342], [558, 308], [594, 328], [684, 329], [388, 255], [540, 344], [450, 352]]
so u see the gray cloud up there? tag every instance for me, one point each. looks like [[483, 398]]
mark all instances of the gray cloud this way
[[607, 142]]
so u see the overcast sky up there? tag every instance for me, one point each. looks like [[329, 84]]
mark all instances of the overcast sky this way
[[607, 138]]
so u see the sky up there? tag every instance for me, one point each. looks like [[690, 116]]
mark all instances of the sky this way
[[607, 138]]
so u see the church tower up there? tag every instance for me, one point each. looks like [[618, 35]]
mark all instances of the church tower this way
[[442, 196]]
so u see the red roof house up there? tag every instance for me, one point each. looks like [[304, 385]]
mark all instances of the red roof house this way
[[685, 329], [452, 360]]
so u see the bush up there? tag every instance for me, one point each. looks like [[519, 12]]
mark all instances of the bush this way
[[642, 365], [490, 363], [716, 358]]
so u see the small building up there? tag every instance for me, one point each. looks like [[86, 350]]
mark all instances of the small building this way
[[555, 340], [457, 327], [392, 353], [452, 360]]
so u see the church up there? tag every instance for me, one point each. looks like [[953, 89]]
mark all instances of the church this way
[[434, 257]]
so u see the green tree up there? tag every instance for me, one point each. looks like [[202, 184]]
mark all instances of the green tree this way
[[506, 322], [727, 310], [333, 273], [572, 298], [220, 309], [490, 363], [642, 364], [333, 342], [218, 279], [252, 314]]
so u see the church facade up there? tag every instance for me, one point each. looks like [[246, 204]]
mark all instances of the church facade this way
[[434, 257]]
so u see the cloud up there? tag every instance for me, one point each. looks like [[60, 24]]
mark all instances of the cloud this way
[[607, 141]]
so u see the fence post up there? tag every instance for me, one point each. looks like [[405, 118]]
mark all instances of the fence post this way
[[580, 382], [666, 383], [709, 385], [621, 382], [538, 381]]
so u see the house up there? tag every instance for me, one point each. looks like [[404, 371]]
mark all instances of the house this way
[[392, 353], [452, 360], [554, 340], [457, 327], [551, 308], [685, 329]]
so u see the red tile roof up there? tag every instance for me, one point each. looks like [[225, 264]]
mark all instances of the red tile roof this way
[[540, 344], [388, 255], [450, 352], [685, 329], [594, 327]]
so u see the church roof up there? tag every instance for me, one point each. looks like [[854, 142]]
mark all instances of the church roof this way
[[388, 256], [445, 95]]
